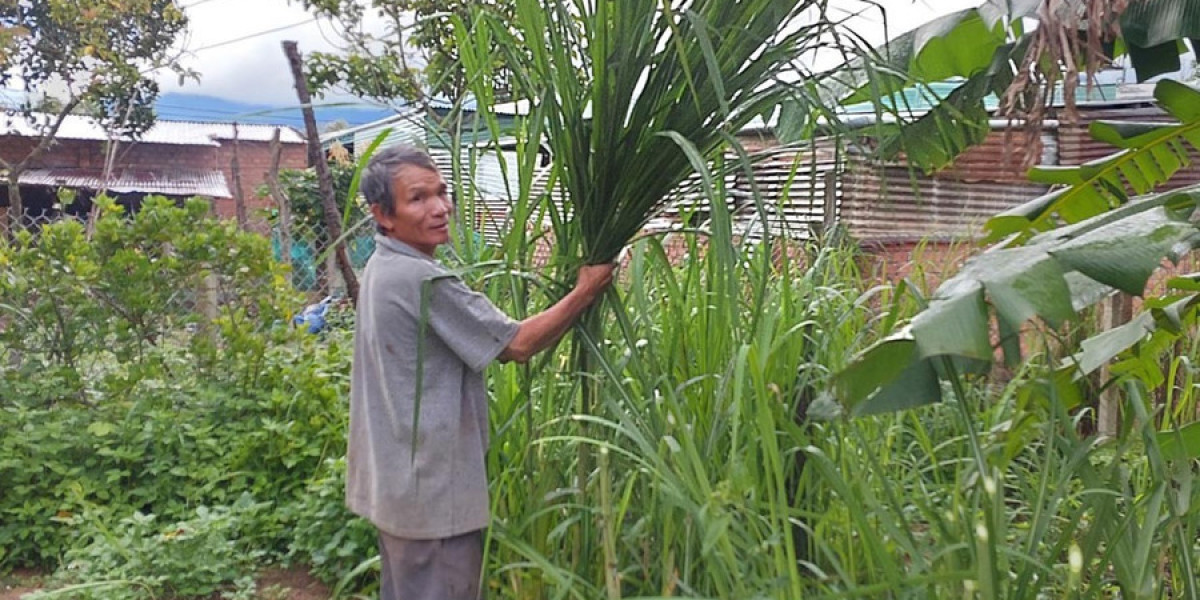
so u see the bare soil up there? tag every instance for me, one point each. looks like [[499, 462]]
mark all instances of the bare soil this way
[[273, 584], [21, 581]]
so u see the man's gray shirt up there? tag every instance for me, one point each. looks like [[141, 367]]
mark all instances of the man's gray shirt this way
[[442, 492]]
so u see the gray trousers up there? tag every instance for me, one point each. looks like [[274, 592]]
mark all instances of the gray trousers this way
[[441, 569]]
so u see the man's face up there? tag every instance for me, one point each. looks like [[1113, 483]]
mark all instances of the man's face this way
[[421, 209]]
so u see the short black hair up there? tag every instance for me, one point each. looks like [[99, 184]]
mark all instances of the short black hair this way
[[376, 183]]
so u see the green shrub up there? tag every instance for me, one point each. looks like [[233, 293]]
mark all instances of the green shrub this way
[[138, 558], [325, 535]]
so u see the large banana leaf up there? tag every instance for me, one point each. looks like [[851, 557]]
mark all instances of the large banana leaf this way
[[1107, 242], [1152, 31], [1050, 278], [1151, 154]]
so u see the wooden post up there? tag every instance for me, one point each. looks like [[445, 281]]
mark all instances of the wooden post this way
[[829, 212], [281, 201], [1115, 310], [239, 200], [324, 179]]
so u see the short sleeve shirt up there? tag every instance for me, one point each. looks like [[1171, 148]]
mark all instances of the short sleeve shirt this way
[[410, 311]]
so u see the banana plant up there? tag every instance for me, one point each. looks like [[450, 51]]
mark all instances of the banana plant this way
[[1104, 241], [978, 47]]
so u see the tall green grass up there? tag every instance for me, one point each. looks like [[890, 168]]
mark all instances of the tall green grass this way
[[722, 468]]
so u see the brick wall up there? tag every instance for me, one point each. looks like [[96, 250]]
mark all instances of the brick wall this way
[[254, 159]]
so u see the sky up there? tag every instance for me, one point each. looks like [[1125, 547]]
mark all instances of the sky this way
[[235, 44]]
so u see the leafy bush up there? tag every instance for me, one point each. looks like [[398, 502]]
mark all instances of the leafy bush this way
[[138, 558], [122, 391], [325, 535]]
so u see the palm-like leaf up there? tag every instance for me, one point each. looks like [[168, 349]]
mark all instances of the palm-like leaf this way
[[635, 94]]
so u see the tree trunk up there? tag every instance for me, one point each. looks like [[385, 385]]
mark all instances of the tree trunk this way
[[324, 179]]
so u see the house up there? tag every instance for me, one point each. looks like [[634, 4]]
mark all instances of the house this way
[[174, 158]]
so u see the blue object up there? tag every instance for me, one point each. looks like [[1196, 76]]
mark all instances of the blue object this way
[[313, 315]]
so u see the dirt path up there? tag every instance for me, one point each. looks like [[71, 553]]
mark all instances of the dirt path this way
[[273, 584]]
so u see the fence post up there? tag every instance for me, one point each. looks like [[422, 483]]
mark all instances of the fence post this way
[[1115, 310], [281, 201], [829, 209]]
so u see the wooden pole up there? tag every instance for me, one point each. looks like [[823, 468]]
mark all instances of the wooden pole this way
[[239, 200], [324, 180]]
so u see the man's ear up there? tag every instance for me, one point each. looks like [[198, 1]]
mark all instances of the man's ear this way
[[381, 217]]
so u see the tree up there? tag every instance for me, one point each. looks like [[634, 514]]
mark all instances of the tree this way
[[415, 56], [101, 53]]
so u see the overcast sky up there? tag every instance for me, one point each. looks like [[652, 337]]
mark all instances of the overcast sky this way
[[238, 60]]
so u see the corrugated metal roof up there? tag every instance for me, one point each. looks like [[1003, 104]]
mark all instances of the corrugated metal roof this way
[[171, 182], [184, 133]]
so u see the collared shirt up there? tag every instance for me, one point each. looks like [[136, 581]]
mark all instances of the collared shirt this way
[[414, 317]]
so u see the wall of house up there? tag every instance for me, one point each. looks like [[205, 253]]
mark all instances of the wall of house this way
[[254, 157]]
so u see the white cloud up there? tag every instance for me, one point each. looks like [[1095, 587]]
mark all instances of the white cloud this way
[[231, 45], [255, 69]]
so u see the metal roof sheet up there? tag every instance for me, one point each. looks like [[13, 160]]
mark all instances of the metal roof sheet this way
[[186, 133], [171, 182]]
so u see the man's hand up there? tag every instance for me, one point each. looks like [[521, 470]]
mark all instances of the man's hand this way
[[594, 279]]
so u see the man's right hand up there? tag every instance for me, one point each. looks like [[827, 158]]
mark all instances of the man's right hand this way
[[594, 279]]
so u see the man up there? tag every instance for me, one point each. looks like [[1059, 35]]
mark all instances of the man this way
[[428, 496]]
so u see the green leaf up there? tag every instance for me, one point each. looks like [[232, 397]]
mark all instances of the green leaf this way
[[1150, 23], [100, 428], [1150, 156], [1180, 444], [1125, 253], [959, 44], [1099, 349], [934, 140], [1179, 100], [1023, 283], [886, 377], [1154, 60], [955, 322]]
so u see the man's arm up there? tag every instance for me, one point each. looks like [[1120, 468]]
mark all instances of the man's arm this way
[[545, 328]]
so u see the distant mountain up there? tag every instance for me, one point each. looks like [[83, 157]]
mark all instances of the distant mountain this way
[[194, 107]]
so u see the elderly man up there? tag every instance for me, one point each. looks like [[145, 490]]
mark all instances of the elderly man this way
[[422, 335]]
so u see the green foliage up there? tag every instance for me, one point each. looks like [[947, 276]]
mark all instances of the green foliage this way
[[325, 535], [1150, 155], [138, 558], [977, 46], [632, 98], [301, 189], [1109, 242], [127, 299], [103, 49], [120, 392], [387, 70]]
